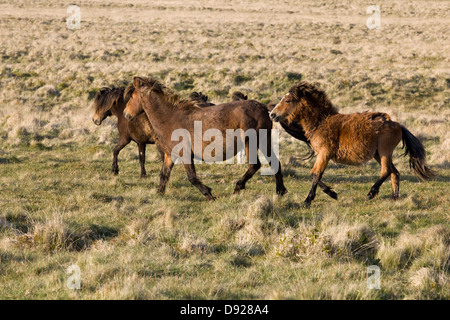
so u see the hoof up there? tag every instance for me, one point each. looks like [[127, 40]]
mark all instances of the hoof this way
[[210, 197], [238, 188], [282, 191], [144, 175], [334, 195], [306, 204], [372, 193]]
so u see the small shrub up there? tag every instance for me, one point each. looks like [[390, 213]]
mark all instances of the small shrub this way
[[294, 76], [239, 79]]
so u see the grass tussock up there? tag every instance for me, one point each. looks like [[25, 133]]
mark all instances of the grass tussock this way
[[253, 229], [357, 241], [55, 235], [303, 243], [428, 248]]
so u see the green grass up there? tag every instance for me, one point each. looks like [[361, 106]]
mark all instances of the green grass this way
[[61, 207]]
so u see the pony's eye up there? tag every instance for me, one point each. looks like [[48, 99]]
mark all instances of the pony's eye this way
[[288, 101]]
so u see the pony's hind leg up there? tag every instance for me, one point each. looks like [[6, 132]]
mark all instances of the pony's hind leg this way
[[274, 164], [395, 180], [386, 145], [252, 169], [166, 169], [192, 176], [142, 147], [386, 166]]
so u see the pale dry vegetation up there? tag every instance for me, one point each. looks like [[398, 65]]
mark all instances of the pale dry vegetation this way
[[60, 205]]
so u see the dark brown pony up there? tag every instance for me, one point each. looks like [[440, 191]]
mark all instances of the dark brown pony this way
[[294, 129], [110, 101], [348, 138], [167, 113]]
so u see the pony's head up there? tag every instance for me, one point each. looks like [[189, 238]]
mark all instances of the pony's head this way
[[303, 100], [200, 100], [237, 96], [105, 100], [134, 93], [284, 108], [198, 97]]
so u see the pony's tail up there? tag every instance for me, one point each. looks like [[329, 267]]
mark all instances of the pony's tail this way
[[417, 155]]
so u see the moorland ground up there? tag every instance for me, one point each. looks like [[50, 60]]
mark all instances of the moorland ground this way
[[61, 206]]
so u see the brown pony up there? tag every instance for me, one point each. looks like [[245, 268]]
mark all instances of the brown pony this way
[[110, 101], [167, 113], [348, 138]]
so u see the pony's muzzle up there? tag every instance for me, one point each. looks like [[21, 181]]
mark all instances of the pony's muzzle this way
[[96, 121], [274, 117], [128, 116]]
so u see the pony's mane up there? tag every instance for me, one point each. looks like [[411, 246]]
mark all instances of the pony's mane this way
[[106, 96], [152, 85], [314, 94]]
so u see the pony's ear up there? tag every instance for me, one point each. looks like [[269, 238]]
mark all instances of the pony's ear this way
[[137, 82], [203, 97]]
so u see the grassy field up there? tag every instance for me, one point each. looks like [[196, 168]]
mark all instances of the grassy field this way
[[61, 206]]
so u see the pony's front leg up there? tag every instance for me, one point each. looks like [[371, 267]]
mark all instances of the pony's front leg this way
[[166, 169], [316, 173], [120, 145], [142, 147], [192, 176]]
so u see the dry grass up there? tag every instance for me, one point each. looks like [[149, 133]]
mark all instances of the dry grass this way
[[61, 206]]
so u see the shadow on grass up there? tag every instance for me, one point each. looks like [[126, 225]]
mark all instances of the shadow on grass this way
[[338, 178], [105, 198], [103, 232], [9, 160]]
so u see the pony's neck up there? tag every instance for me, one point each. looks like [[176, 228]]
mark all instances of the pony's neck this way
[[157, 106], [117, 109], [158, 111], [314, 118]]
